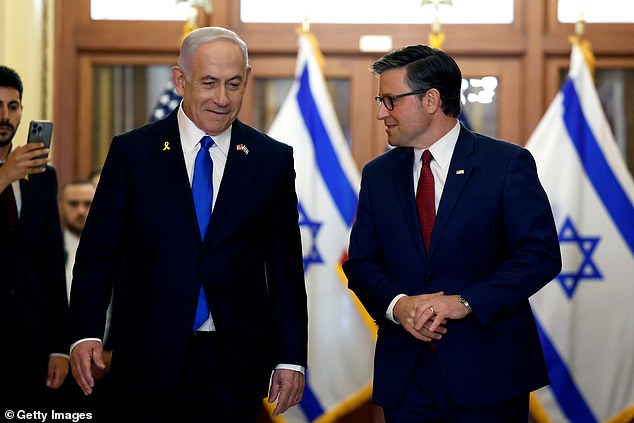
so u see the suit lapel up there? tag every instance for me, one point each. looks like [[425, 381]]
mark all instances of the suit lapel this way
[[26, 198], [169, 152], [457, 176], [242, 154], [404, 183]]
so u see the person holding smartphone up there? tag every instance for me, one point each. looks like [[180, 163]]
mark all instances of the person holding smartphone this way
[[33, 303]]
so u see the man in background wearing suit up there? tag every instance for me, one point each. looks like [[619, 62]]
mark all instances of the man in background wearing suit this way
[[74, 205], [147, 225], [33, 304], [453, 234]]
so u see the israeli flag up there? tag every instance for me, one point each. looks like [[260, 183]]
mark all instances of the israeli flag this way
[[341, 335], [586, 315]]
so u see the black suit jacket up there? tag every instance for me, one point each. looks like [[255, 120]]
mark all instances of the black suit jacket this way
[[33, 299], [494, 241], [142, 226]]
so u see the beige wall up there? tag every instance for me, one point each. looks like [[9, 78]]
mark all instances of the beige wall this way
[[26, 38]]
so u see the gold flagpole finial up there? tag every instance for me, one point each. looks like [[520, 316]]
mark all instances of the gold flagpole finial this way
[[584, 45], [191, 22], [305, 24], [436, 36], [305, 27]]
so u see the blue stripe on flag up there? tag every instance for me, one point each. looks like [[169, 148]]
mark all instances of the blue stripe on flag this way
[[342, 193], [309, 403], [563, 386], [597, 168]]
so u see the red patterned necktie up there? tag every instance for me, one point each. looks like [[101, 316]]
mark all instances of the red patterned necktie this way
[[7, 202], [425, 202]]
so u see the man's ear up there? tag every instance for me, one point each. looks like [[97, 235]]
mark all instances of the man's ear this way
[[178, 79], [247, 76], [431, 100]]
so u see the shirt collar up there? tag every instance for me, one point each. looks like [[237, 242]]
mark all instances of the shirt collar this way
[[442, 150], [191, 134]]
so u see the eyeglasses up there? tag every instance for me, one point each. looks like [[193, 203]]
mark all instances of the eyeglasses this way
[[388, 100]]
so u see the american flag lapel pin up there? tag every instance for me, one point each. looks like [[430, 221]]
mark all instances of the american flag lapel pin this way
[[242, 147], [460, 172]]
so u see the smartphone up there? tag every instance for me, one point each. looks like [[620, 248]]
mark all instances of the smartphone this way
[[40, 131]]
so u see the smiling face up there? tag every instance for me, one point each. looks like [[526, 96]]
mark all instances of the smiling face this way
[[10, 114], [213, 93], [407, 123]]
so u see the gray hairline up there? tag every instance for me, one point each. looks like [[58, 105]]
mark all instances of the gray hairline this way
[[204, 35]]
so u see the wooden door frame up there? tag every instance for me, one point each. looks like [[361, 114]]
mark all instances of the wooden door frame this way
[[524, 54]]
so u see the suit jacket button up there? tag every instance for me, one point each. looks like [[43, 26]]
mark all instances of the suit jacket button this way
[[427, 279]]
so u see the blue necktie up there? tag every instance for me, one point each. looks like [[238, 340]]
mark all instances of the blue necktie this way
[[203, 191]]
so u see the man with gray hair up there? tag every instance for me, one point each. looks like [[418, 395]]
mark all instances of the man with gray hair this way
[[195, 218]]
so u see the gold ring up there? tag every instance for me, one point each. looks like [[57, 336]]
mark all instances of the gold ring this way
[[296, 400], [432, 310]]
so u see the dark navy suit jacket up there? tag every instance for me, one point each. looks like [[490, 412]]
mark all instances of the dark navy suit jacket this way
[[142, 228], [494, 241], [33, 304]]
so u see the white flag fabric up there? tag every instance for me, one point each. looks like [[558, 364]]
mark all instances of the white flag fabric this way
[[586, 315], [341, 341]]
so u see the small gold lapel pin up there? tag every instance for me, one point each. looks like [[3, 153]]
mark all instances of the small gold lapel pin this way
[[460, 172], [242, 147], [166, 145]]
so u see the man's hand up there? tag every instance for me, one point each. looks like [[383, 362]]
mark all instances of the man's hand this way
[[287, 387], [99, 373], [417, 317], [22, 162], [57, 371], [82, 357], [440, 309]]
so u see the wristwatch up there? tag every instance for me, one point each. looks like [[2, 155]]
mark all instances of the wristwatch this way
[[465, 303]]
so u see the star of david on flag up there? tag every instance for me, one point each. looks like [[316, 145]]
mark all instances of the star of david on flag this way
[[341, 335], [584, 268], [309, 229], [585, 316]]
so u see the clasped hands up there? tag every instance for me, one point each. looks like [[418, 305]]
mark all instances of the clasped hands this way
[[425, 316]]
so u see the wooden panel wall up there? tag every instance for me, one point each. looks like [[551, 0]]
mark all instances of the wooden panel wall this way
[[528, 55]]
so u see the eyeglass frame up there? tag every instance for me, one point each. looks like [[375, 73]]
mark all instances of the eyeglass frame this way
[[380, 99]]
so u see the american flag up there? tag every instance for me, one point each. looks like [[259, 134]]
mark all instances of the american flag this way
[[168, 101]]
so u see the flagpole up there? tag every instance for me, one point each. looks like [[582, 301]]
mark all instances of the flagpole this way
[[192, 21], [305, 24], [436, 37], [578, 40]]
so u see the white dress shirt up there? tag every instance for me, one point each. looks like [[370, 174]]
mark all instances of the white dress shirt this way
[[442, 151]]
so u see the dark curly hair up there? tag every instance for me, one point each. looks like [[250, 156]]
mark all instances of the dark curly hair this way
[[10, 78]]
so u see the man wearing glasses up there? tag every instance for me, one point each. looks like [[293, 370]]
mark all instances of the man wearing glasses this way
[[453, 234]]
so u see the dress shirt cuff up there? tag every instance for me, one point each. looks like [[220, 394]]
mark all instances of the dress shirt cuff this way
[[82, 340], [295, 367], [390, 309]]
